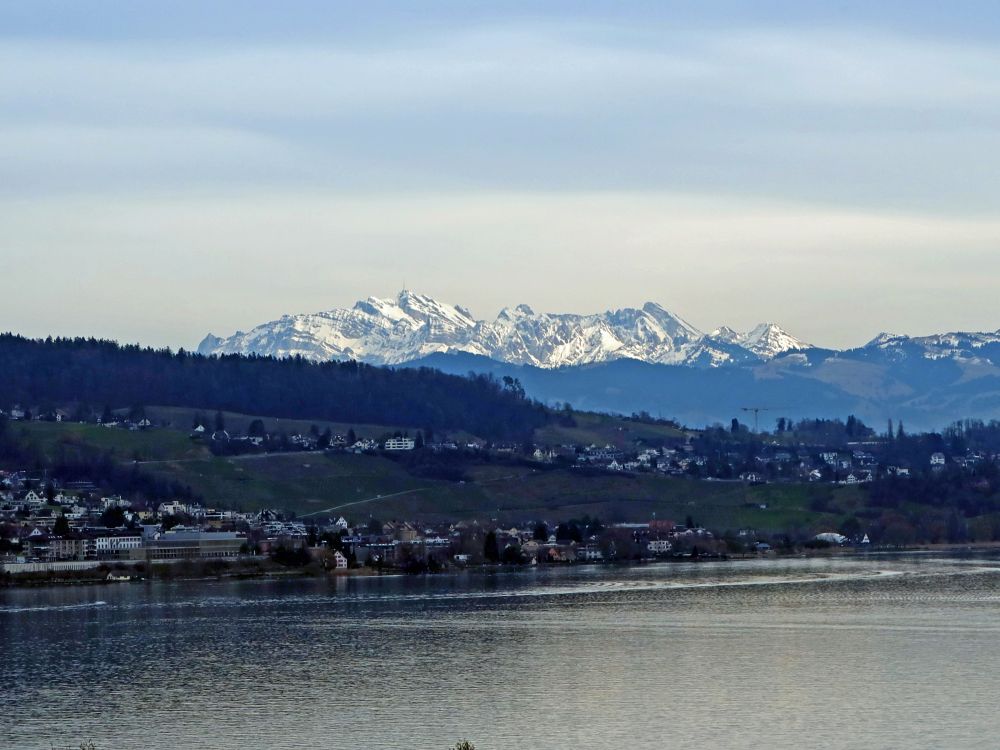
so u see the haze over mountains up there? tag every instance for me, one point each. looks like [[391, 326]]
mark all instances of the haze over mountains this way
[[650, 359]]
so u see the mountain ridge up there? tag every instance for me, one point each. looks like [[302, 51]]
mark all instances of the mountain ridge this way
[[391, 331]]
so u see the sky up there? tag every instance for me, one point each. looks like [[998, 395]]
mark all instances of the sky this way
[[170, 169]]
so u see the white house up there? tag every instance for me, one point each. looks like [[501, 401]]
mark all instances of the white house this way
[[400, 444], [34, 500], [339, 560], [937, 459]]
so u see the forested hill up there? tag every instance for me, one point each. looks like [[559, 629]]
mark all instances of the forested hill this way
[[57, 372]]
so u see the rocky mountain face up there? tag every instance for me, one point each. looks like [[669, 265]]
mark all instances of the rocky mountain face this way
[[412, 326]]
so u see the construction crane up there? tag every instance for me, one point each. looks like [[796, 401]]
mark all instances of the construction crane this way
[[756, 414]]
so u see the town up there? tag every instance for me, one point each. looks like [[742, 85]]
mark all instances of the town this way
[[49, 525]]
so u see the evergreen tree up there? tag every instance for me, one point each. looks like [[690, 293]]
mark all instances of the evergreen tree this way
[[490, 550], [61, 527], [220, 421]]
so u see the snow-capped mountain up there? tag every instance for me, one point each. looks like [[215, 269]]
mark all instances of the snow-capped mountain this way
[[412, 326], [962, 347], [767, 340]]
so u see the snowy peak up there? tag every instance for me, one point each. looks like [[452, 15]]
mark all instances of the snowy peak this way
[[885, 338], [766, 340], [409, 326]]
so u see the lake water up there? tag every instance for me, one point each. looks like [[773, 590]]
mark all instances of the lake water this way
[[891, 652]]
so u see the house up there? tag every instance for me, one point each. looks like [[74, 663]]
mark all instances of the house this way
[[659, 546], [937, 459], [339, 560], [545, 456], [589, 553], [400, 444], [33, 500]]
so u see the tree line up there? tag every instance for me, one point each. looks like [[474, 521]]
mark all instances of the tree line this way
[[61, 371]]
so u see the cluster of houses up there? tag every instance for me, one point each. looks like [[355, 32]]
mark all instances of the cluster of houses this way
[[851, 465], [71, 528], [402, 543]]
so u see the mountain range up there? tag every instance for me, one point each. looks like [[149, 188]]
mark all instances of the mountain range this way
[[411, 326], [650, 359]]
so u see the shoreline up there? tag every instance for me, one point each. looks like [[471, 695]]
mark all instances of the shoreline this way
[[118, 572]]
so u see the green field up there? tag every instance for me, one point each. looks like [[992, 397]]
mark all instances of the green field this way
[[141, 444], [182, 419], [604, 429], [358, 486]]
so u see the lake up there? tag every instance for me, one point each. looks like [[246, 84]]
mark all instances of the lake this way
[[874, 652]]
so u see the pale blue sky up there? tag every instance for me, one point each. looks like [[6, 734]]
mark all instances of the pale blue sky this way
[[172, 168]]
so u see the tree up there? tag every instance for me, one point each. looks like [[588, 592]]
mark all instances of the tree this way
[[351, 437], [541, 532], [464, 745], [50, 491], [61, 527], [257, 429], [734, 426], [220, 421], [418, 441], [490, 550], [106, 415], [113, 517]]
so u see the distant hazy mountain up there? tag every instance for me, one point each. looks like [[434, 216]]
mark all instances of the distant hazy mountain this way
[[411, 326], [650, 359]]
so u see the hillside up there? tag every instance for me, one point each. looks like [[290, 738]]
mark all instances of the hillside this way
[[361, 485], [92, 375]]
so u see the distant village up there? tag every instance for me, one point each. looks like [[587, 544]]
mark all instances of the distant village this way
[[47, 525]]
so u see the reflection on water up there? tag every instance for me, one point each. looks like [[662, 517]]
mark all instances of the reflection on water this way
[[874, 653]]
